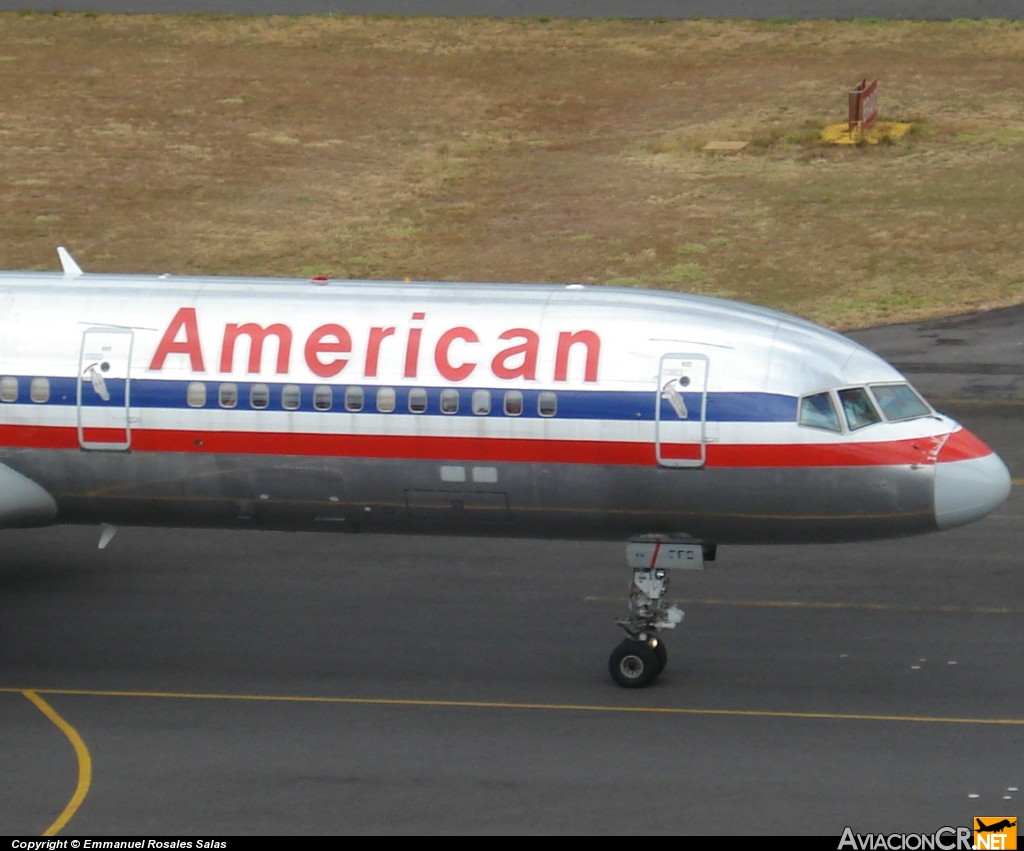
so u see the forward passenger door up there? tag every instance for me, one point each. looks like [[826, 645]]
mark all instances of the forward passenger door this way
[[680, 411]]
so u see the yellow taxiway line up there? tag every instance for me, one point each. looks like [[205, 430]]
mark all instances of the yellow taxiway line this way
[[81, 753], [548, 707]]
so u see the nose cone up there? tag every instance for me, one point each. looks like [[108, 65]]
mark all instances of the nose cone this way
[[970, 481]]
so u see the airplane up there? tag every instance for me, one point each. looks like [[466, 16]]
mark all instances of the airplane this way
[[671, 422], [997, 827]]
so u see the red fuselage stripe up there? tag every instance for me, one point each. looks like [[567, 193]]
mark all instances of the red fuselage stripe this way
[[490, 449]]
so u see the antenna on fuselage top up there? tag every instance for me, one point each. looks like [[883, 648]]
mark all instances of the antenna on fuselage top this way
[[67, 263]]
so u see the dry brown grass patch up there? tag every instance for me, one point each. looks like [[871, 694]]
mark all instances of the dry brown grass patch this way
[[521, 150]]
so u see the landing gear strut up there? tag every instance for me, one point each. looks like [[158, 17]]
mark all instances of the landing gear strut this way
[[643, 655], [638, 660]]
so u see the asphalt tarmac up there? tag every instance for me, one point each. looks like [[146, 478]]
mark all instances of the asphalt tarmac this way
[[205, 684]]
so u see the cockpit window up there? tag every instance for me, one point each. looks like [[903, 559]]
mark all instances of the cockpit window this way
[[900, 402], [817, 411], [858, 408]]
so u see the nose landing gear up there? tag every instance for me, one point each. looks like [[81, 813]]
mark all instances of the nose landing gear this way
[[642, 656]]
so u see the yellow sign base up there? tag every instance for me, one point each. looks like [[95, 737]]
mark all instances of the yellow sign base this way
[[880, 131]]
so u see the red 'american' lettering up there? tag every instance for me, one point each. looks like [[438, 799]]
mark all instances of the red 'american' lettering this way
[[331, 349]]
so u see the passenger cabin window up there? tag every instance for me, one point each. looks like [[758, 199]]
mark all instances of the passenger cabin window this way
[[9, 389], [513, 403], [547, 404], [39, 390], [481, 402], [858, 408], [449, 401], [417, 400], [900, 402], [291, 397], [385, 399], [817, 411], [196, 394], [354, 399], [259, 396], [227, 395], [323, 397]]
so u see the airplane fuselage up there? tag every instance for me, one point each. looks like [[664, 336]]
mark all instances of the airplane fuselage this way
[[510, 410]]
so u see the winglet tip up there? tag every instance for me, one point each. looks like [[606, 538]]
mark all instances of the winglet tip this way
[[67, 263]]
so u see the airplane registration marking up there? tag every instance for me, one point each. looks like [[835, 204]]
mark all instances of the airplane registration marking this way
[[551, 707], [81, 754]]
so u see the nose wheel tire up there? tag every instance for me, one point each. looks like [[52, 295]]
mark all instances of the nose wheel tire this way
[[635, 664]]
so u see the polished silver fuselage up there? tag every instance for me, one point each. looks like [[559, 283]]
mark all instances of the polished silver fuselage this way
[[505, 410]]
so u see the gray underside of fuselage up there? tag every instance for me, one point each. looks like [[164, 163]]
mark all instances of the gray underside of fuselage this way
[[721, 505]]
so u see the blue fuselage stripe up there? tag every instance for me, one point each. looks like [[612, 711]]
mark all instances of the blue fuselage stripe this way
[[613, 405]]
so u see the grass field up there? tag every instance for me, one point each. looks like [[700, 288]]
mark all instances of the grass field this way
[[525, 150]]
